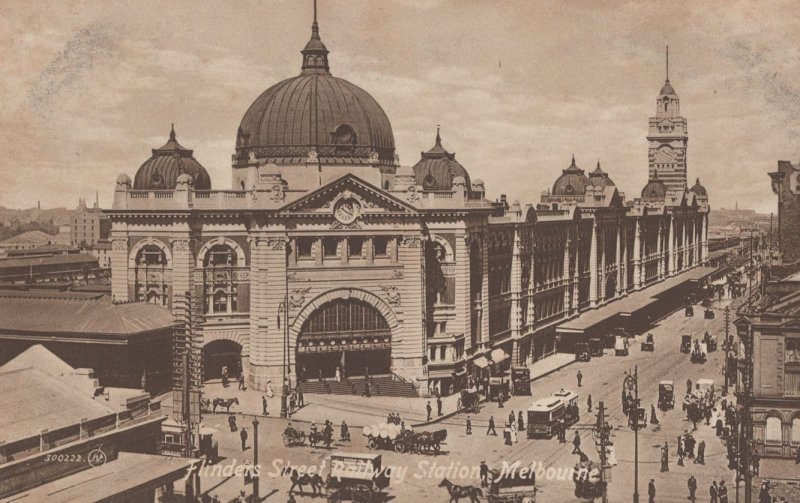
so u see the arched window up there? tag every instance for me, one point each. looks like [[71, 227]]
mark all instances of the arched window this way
[[220, 289], [220, 256], [151, 255], [153, 297], [220, 301], [773, 430], [150, 274], [796, 430]]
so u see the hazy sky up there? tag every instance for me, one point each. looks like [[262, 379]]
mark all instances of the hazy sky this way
[[88, 88]]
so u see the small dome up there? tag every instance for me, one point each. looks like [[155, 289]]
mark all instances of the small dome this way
[[438, 168], [699, 189], [667, 90], [655, 188], [123, 179], [185, 179], [600, 178], [572, 181], [167, 163]]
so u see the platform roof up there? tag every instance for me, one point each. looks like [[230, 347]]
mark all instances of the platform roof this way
[[111, 481], [634, 302]]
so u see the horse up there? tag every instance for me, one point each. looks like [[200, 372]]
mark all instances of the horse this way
[[224, 402], [457, 492], [324, 437], [315, 481]]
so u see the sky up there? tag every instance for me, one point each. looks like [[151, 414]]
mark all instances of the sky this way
[[518, 87]]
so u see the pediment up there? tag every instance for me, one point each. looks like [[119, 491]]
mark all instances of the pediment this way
[[347, 199]]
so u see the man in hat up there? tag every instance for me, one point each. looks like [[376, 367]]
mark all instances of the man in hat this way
[[490, 430], [665, 457], [701, 453], [439, 405], [713, 492], [589, 403], [651, 491], [264, 405], [576, 442], [469, 426], [429, 409], [484, 473], [243, 435], [723, 492], [692, 484], [579, 376]]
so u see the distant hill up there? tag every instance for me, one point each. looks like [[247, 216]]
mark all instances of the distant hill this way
[[10, 217]]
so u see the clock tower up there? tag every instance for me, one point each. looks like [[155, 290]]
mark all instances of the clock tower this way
[[668, 137]]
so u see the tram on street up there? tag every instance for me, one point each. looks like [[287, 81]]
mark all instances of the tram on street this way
[[543, 417]]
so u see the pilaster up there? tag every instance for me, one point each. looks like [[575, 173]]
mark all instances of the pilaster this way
[[671, 246], [637, 257], [593, 267], [119, 267]]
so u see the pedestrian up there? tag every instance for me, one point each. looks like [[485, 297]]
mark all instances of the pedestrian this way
[[589, 403], [224, 377], [562, 431], [429, 409], [366, 373], [303, 374], [708, 416], [300, 401], [511, 417], [469, 426], [338, 373], [439, 405], [723, 492], [241, 382], [243, 436], [763, 494], [319, 378], [232, 422], [756, 463], [688, 386], [692, 484], [484, 473], [576, 442], [690, 446], [701, 453], [264, 405], [718, 427], [520, 422], [580, 378], [507, 434], [514, 438], [681, 449], [651, 491], [653, 418], [713, 492], [665, 458], [490, 430]]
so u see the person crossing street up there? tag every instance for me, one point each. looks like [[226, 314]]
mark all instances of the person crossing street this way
[[469, 426], [580, 378], [692, 484], [429, 409], [243, 436], [490, 430], [576, 442]]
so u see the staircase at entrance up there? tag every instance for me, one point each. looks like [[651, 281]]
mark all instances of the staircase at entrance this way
[[379, 386]]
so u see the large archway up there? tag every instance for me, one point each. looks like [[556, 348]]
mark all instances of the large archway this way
[[222, 353], [345, 333]]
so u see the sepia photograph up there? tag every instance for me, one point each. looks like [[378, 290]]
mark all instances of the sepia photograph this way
[[241, 262]]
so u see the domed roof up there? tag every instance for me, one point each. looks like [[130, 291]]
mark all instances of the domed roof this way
[[316, 111], [161, 171], [667, 90], [438, 167], [572, 181], [699, 189], [600, 178], [655, 188]]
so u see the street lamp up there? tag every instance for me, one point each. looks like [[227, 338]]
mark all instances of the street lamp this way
[[256, 470], [631, 383]]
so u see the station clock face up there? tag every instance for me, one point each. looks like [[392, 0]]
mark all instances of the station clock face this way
[[665, 155], [347, 211]]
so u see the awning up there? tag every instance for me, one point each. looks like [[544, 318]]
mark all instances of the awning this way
[[481, 362], [499, 356]]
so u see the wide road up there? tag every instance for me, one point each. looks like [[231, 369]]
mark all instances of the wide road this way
[[417, 476]]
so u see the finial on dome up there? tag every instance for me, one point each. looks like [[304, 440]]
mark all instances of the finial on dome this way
[[315, 54], [667, 60], [172, 132], [697, 181], [438, 138]]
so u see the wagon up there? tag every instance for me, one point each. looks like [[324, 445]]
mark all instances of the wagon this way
[[470, 401], [389, 437], [666, 395], [621, 346], [648, 344], [292, 437], [708, 314], [686, 343], [515, 486], [637, 418], [356, 477], [582, 352], [595, 346]]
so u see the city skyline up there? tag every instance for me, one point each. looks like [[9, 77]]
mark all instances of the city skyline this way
[[93, 89]]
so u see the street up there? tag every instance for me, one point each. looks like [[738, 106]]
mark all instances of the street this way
[[417, 475]]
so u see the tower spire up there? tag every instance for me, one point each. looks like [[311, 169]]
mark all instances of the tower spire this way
[[315, 54], [172, 132], [667, 55], [438, 138]]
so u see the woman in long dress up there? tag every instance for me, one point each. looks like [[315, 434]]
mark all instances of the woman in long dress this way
[[338, 374], [270, 391]]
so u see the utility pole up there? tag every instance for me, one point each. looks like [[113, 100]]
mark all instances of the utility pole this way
[[601, 422], [256, 495], [632, 383]]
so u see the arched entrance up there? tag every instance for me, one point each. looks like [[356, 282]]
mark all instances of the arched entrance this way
[[222, 353], [346, 333]]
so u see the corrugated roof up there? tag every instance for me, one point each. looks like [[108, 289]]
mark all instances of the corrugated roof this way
[[72, 258], [34, 401], [27, 314], [30, 237]]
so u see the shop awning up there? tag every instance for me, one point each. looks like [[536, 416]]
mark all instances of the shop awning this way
[[481, 362], [499, 356]]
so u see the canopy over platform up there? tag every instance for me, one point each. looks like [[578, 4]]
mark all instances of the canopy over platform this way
[[633, 303]]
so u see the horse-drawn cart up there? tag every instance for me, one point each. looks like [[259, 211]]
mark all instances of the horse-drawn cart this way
[[470, 401], [356, 477], [686, 343], [648, 344], [666, 395], [517, 486], [393, 437], [292, 436]]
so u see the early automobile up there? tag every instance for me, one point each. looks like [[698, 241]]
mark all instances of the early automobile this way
[[514, 486], [470, 401], [711, 342], [666, 395], [688, 311], [709, 314], [686, 343], [621, 346], [543, 417], [356, 477], [521, 381], [637, 418], [648, 344], [570, 401], [595, 347], [582, 352]]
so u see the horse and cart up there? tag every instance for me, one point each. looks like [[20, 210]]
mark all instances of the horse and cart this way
[[666, 395], [648, 344], [470, 401], [393, 437], [516, 486], [699, 352], [356, 477]]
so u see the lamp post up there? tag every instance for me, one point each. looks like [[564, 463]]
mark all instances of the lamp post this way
[[631, 382], [284, 383], [256, 496]]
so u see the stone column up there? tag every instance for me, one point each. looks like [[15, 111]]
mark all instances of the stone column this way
[[565, 274], [182, 268], [685, 247], [660, 250], [593, 267], [601, 278], [671, 246], [618, 245], [484, 313], [637, 257], [515, 323], [463, 302], [119, 267], [576, 276], [624, 262], [531, 283], [704, 234]]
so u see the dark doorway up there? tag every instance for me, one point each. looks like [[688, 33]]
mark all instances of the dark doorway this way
[[219, 354]]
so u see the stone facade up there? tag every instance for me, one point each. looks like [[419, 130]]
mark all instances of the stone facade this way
[[786, 185]]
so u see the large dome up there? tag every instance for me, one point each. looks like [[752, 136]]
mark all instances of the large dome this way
[[316, 111], [167, 163], [572, 181]]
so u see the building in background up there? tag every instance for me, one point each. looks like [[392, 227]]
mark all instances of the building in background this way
[[88, 225], [329, 254], [786, 185], [27, 241]]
